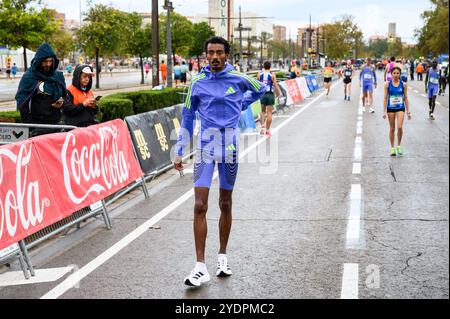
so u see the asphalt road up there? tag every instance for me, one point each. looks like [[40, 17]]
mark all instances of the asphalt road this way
[[329, 215]]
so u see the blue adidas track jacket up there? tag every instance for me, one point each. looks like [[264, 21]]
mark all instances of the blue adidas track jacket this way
[[219, 98]]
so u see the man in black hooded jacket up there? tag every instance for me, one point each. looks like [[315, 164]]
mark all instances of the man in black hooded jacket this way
[[42, 91]]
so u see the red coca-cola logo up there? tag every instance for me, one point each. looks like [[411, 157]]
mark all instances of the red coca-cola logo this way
[[21, 204], [95, 166]]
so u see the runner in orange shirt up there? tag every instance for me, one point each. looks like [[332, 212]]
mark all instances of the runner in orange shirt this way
[[163, 69]]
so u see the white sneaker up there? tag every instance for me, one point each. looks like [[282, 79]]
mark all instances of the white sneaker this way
[[196, 278], [223, 269], [372, 110], [363, 108]]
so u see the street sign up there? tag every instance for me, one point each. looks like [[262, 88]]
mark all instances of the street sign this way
[[243, 29], [13, 134]]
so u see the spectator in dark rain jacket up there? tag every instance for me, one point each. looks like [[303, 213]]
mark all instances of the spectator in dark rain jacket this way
[[42, 91], [81, 106]]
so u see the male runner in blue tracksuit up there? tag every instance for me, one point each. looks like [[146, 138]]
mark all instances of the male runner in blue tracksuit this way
[[219, 94]]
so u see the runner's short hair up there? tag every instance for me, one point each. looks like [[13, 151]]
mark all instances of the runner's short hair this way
[[218, 40], [267, 65]]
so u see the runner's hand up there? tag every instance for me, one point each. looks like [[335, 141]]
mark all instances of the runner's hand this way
[[385, 115], [409, 116], [178, 163]]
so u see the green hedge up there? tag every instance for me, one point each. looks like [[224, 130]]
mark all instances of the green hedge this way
[[114, 108], [13, 115], [121, 105]]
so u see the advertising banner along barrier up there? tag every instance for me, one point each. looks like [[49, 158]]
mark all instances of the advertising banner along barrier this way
[[294, 94], [86, 165], [315, 83], [247, 121], [311, 86], [27, 204], [154, 134], [301, 82]]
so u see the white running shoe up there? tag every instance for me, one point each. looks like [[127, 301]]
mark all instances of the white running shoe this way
[[223, 269], [372, 110], [363, 108], [196, 278]]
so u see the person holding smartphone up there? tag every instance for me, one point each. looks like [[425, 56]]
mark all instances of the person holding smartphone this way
[[42, 91], [81, 106]]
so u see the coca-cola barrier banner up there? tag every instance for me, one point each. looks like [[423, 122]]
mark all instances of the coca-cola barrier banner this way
[[50, 177], [26, 201]]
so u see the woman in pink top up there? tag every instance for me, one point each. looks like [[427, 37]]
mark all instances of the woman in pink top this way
[[147, 69], [389, 68]]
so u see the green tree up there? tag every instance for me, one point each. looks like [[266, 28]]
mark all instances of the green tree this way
[[379, 47], [433, 36], [395, 48], [182, 34], [139, 40], [202, 33], [336, 46], [343, 38], [22, 25], [103, 32], [279, 49], [62, 42]]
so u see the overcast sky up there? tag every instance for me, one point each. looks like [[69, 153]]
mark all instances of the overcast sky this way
[[372, 16]]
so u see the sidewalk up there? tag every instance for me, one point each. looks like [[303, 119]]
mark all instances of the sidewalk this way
[[11, 105], [66, 75]]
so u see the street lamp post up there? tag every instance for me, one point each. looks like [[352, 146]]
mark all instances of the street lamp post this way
[[155, 44], [169, 7]]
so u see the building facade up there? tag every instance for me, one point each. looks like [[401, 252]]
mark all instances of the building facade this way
[[279, 33]]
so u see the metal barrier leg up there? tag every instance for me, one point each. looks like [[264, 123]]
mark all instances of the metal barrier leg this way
[[24, 250], [106, 216], [23, 266], [144, 188]]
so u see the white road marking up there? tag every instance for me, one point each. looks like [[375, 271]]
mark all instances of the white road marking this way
[[16, 278], [356, 169], [424, 95], [356, 192], [350, 280], [416, 91], [73, 279], [359, 130], [357, 154]]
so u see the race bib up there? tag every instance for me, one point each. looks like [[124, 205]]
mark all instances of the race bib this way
[[367, 76], [348, 74], [396, 100], [434, 81]]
